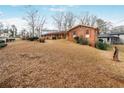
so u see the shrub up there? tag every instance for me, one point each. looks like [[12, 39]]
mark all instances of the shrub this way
[[23, 38], [102, 45], [101, 40], [83, 41], [54, 38], [42, 40], [76, 39], [32, 38]]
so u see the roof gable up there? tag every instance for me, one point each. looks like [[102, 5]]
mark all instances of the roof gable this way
[[82, 26]]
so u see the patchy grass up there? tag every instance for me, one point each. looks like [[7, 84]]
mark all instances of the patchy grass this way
[[58, 63], [121, 47]]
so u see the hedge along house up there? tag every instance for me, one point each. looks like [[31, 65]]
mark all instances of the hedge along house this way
[[86, 32]]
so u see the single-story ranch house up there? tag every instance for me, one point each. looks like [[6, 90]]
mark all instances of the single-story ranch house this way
[[55, 35], [86, 32]]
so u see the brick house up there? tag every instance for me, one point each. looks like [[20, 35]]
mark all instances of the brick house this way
[[86, 32]]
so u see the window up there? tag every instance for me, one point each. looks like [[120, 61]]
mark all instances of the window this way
[[74, 33], [87, 32]]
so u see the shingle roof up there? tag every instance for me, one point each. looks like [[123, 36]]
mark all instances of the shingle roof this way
[[106, 35], [117, 33], [81, 26], [60, 32]]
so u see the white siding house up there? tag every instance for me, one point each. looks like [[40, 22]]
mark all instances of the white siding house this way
[[112, 38], [121, 37]]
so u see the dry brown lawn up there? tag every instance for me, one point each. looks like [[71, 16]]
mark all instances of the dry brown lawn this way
[[58, 63]]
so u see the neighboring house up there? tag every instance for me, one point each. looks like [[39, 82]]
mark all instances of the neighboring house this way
[[6, 35], [120, 35], [112, 38], [107, 38], [85, 32], [3, 39], [3, 36]]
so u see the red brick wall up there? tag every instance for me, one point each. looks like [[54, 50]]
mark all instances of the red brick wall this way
[[81, 31]]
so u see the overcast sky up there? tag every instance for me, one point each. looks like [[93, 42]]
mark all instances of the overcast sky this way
[[14, 14]]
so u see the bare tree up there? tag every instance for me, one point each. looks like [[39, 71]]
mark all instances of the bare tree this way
[[104, 26], [40, 25], [23, 33], [58, 19], [69, 20], [64, 20], [31, 19], [87, 19], [14, 30], [34, 20], [7, 28], [91, 20], [1, 26]]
